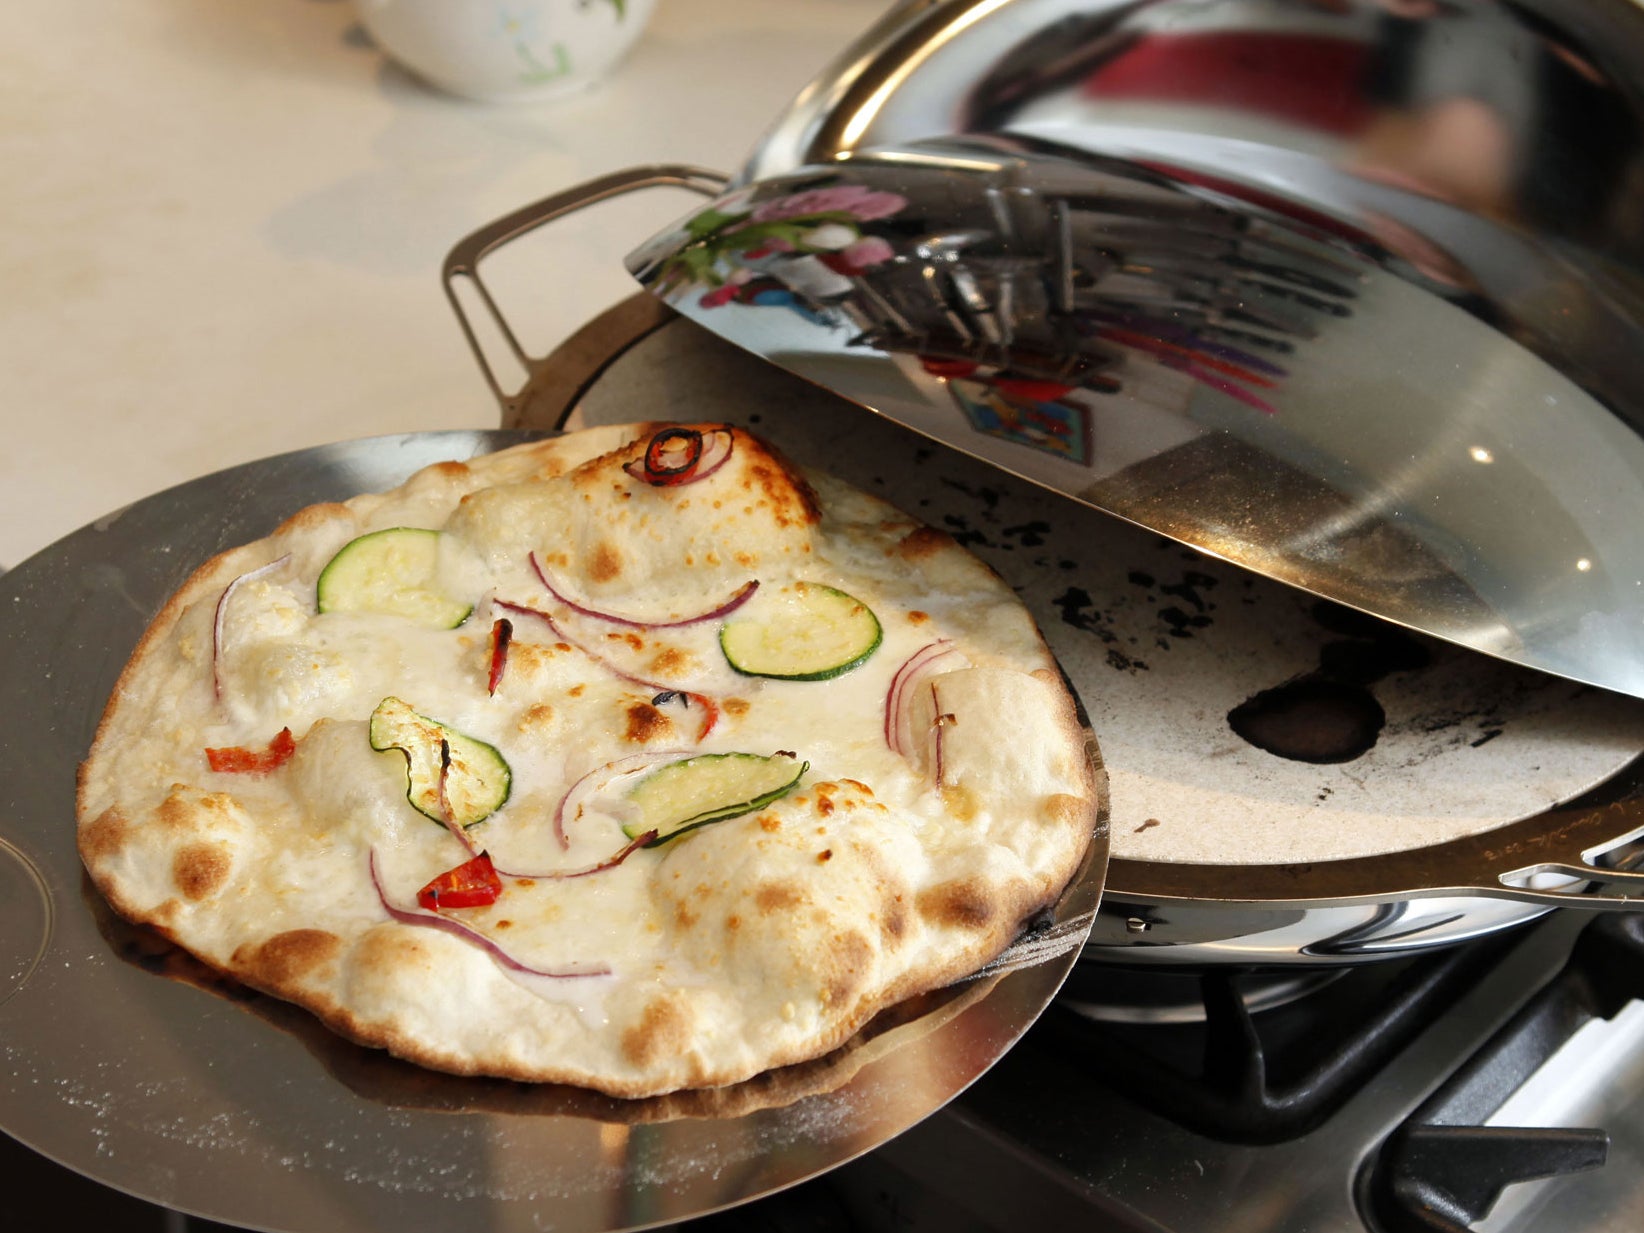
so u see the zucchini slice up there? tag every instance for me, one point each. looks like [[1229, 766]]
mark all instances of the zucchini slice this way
[[454, 779], [394, 572], [802, 632], [684, 795]]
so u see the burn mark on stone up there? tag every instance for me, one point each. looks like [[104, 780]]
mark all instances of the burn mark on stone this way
[[1182, 624], [989, 497], [1311, 719], [1189, 588], [1079, 610], [1192, 610], [964, 533], [1076, 609], [1329, 715], [1031, 534]]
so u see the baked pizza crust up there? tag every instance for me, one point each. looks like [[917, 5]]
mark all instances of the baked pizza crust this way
[[752, 943]]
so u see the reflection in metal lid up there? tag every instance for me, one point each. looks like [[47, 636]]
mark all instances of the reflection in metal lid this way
[[1349, 295]]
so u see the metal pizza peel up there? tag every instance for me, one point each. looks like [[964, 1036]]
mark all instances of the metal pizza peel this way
[[123, 1059]]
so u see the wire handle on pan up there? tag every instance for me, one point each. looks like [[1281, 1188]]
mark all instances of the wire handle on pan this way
[[1585, 886], [462, 262]]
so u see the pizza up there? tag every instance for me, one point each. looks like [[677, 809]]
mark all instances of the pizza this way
[[637, 758]]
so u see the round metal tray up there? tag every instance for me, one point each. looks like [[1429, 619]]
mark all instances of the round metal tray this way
[[126, 1061]]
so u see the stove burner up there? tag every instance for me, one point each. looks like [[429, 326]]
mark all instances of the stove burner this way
[[1154, 995], [1245, 1075]]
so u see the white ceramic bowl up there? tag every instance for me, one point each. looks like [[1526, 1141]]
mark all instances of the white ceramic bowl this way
[[506, 50]]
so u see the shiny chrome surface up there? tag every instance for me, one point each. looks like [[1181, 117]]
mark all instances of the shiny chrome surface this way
[[1347, 292], [124, 1060]]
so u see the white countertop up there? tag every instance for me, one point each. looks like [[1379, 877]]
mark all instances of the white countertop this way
[[221, 225]]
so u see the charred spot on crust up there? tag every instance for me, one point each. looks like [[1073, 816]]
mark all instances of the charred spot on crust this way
[[646, 723], [922, 542], [199, 869], [604, 563], [182, 809], [777, 897], [845, 960], [893, 923], [104, 835], [537, 717], [778, 481], [663, 1030], [286, 957], [671, 661], [1064, 809], [959, 904]]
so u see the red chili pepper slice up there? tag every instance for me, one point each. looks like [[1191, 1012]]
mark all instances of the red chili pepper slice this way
[[672, 455], [710, 711], [472, 884], [502, 634], [238, 760]]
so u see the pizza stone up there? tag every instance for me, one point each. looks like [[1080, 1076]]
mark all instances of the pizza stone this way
[[947, 791]]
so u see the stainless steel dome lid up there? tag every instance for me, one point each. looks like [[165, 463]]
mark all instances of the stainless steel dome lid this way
[[1350, 293]]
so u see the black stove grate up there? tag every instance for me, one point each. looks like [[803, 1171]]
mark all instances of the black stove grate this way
[[1245, 1076]]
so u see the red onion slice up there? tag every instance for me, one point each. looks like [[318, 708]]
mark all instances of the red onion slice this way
[[610, 862], [897, 735], [938, 723], [717, 445], [447, 814], [710, 709], [571, 642], [219, 619], [611, 770], [742, 595], [419, 916]]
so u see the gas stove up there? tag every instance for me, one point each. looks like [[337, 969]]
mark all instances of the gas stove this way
[[1482, 1088]]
